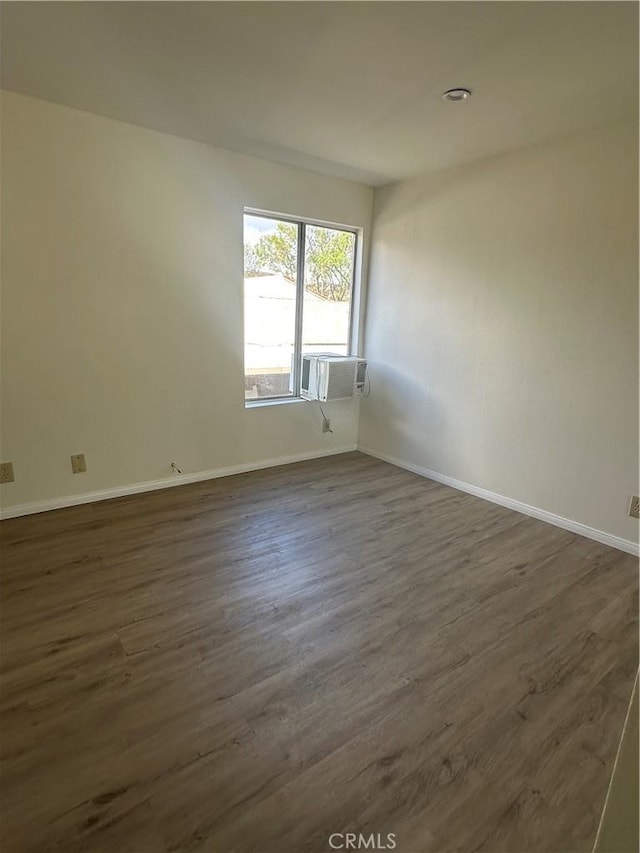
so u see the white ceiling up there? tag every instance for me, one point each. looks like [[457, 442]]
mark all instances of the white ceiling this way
[[346, 88]]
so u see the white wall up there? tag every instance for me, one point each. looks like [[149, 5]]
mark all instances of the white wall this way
[[502, 326], [122, 302]]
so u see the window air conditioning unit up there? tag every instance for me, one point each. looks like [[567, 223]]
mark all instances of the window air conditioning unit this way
[[326, 376]]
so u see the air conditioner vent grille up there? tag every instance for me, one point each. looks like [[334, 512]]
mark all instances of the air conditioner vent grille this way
[[341, 380]]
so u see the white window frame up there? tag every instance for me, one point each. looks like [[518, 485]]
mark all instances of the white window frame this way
[[301, 223]]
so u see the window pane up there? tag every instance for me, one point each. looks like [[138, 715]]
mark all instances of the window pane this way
[[328, 280], [270, 263]]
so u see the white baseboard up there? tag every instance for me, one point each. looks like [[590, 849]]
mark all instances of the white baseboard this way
[[153, 485], [541, 514], [182, 479]]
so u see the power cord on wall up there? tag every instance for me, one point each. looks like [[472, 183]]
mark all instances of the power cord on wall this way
[[325, 419]]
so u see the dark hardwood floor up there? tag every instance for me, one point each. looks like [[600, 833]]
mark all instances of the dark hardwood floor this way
[[254, 663]]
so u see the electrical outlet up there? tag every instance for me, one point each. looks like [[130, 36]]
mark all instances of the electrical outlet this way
[[78, 463], [634, 507], [6, 472], [326, 425]]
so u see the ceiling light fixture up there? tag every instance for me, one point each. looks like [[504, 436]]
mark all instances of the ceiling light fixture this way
[[455, 95]]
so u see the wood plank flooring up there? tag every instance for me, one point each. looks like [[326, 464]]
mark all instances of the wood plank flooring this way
[[248, 665]]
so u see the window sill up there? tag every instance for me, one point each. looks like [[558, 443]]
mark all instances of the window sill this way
[[276, 401]]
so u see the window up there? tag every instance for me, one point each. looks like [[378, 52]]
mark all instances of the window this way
[[298, 289]]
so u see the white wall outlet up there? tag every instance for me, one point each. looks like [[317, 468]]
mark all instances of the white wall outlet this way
[[634, 507], [6, 472], [78, 463]]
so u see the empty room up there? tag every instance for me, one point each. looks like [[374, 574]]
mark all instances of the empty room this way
[[319, 427]]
